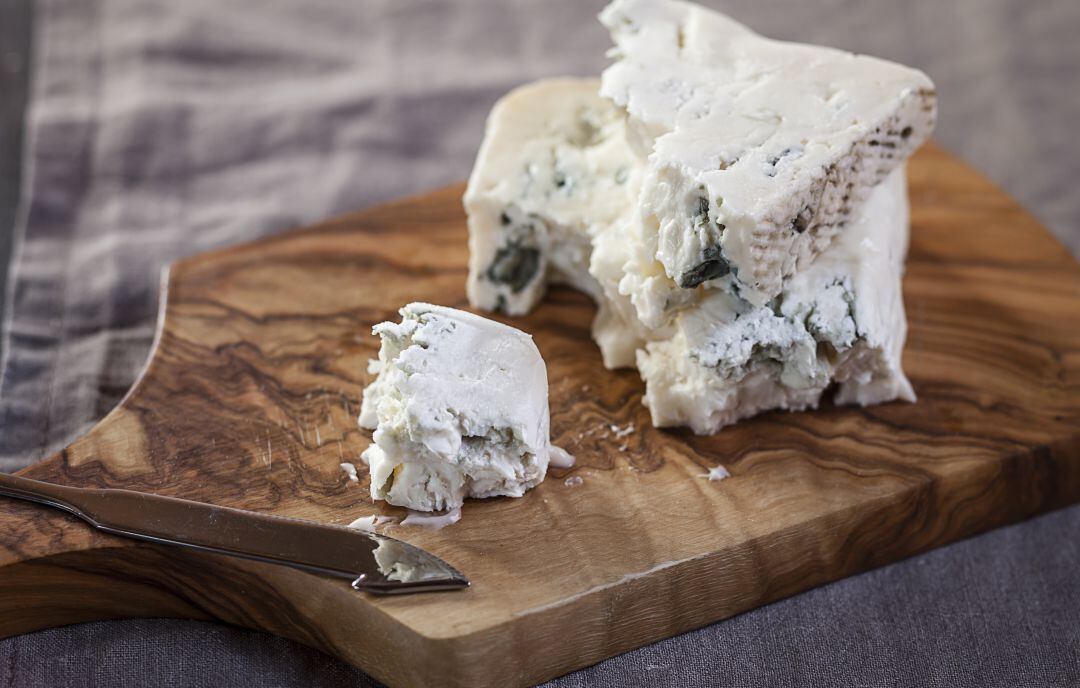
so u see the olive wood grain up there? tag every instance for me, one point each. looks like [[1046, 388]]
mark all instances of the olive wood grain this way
[[250, 397]]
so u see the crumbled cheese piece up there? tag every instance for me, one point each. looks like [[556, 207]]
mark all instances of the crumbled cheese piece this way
[[459, 409]]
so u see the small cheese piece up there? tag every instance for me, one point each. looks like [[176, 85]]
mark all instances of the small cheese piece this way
[[554, 169], [368, 524], [459, 409], [716, 474], [839, 321], [560, 458], [759, 151]]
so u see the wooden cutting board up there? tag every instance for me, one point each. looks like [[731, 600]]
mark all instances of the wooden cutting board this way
[[250, 397]]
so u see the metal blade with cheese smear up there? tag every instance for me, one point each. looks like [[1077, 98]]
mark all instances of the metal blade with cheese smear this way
[[839, 321], [459, 409], [759, 151], [374, 563]]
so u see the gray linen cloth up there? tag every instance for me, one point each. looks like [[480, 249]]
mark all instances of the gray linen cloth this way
[[160, 129]]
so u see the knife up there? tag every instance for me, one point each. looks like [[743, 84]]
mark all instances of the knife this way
[[374, 563]]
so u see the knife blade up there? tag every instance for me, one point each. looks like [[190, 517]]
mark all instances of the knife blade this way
[[374, 563]]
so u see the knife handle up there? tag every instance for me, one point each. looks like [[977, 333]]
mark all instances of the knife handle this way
[[196, 525], [49, 494]]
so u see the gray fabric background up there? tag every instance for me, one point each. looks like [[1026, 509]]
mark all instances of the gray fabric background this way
[[158, 129]]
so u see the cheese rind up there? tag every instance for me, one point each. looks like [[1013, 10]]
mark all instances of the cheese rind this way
[[459, 409], [759, 150], [839, 321]]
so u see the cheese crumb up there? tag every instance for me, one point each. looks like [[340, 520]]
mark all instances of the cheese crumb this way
[[560, 458], [459, 409], [350, 470], [716, 473]]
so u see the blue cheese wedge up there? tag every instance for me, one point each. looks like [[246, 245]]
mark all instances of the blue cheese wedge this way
[[718, 357], [840, 321], [553, 171], [459, 408], [549, 199], [759, 151], [735, 205]]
